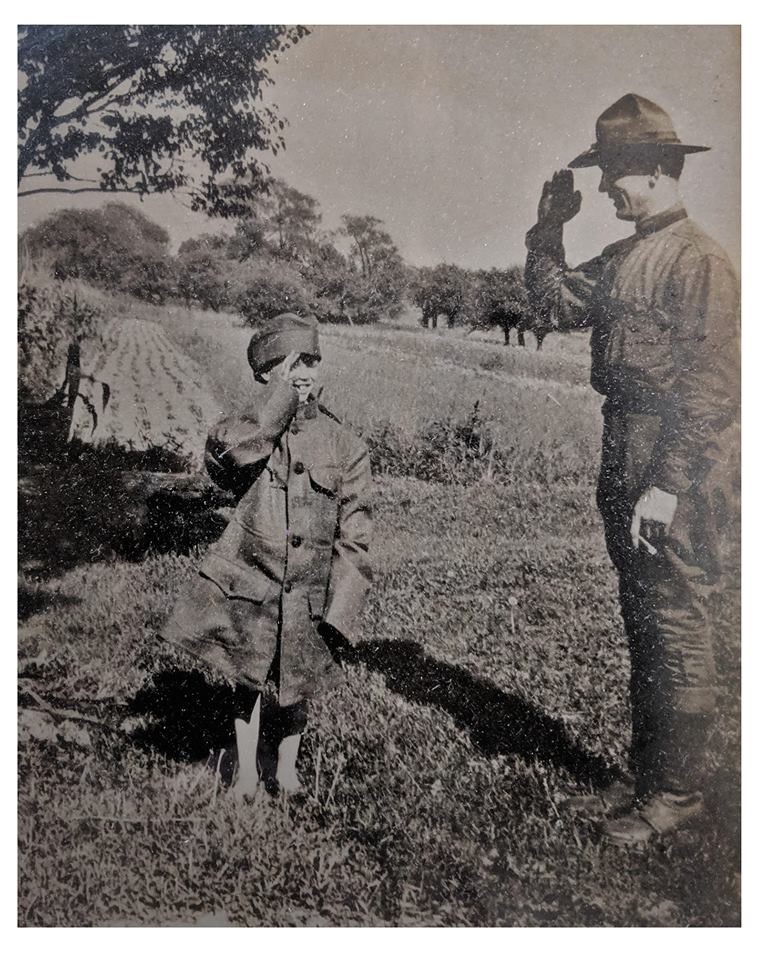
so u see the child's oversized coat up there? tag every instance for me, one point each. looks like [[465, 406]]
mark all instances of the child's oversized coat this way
[[295, 552]]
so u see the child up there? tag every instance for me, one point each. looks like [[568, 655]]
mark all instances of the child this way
[[292, 566]]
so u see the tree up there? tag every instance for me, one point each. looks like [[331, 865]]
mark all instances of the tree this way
[[294, 217], [327, 273], [115, 247], [282, 220], [501, 300], [264, 288], [164, 108], [445, 289], [204, 271], [379, 275]]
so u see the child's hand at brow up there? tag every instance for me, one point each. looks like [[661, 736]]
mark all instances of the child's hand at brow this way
[[287, 364]]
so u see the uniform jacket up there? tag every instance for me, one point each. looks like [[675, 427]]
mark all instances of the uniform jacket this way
[[663, 308], [295, 553]]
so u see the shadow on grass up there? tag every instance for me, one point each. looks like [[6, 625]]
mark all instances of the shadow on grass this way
[[186, 716], [497, 722], [32, 600], [93, 508]]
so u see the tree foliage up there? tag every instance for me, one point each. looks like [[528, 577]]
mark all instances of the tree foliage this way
[[204, 271], [115, 247], [282, 221], [165, 108], [379, 275], [443, 290], [501, 300], [264, 288]]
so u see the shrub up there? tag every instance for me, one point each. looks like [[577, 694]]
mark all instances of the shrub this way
[[265, 288], [443, 451]]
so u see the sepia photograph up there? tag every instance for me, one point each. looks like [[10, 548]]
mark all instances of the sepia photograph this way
[[378, 476]]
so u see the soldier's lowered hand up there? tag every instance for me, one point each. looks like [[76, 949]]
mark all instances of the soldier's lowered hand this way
[[654, 506]]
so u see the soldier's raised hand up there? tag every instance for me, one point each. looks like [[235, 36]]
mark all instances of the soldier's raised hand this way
[[559, 201]]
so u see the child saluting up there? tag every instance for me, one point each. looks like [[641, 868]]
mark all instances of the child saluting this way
[[292, 566]]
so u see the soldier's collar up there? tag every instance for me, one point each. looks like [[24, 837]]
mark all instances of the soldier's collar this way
[[661, 220]]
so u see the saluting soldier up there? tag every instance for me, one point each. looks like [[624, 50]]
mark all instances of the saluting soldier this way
[[663, 308], [288, 578]]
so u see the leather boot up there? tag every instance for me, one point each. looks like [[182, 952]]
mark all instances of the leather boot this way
[[657, 816], [593, 806]]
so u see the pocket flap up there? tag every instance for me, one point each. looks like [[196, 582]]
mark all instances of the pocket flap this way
[[236, 580], [317, 596], [324, 477]]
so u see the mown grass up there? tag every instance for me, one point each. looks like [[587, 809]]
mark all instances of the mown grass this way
[[491, 681]]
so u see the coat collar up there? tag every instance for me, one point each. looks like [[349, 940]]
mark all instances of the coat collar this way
[[661, 220]]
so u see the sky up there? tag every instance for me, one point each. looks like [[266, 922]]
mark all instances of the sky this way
[[446, 133]]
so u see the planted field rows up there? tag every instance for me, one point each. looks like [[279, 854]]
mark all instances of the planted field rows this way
[[158, 397]]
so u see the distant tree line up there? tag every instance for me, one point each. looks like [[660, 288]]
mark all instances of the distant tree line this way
[[179, 109], [277, 257], [479, 299]]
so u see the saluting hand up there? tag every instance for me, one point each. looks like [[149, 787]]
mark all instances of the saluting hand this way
[[655, 509], [559, 201], [284, 368]]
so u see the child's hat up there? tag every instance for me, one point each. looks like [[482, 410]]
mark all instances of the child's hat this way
[[282, 335]]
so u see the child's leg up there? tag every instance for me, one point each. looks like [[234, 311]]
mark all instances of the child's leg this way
[[292, 724], [247, 733], [280, 741]]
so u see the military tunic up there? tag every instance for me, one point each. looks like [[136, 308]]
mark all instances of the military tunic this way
[[663, 309], [295, 553]]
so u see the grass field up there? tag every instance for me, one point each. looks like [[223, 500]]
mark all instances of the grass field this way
[[491, 682]]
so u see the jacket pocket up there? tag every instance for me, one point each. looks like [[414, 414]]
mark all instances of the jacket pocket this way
[[639, 348], [235, 580], [317, 598], [324, 478]]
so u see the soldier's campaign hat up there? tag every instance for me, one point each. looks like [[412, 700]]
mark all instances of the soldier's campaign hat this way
[[632, 122], [282, 335]]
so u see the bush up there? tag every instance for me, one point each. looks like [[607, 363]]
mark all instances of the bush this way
[[115, 247], [265, 288], [444, 451]]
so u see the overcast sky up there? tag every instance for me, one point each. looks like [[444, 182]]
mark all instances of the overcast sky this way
[[446, 133]]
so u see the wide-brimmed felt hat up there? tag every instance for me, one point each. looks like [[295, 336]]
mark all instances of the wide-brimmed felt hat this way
[[633, 122], [281, 335]]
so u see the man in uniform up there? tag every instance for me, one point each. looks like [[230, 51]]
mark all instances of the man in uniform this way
[[663, 309]]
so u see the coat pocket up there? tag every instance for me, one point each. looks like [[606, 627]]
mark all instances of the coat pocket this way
[[317, 598], [639, 348], [235, 580], [324, 478]]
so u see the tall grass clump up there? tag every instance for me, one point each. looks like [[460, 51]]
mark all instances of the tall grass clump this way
[[466, 450]]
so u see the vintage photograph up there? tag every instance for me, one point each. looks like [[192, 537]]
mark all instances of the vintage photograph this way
[[379, 476]]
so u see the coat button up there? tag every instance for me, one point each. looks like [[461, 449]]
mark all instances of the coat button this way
[[298, 468], [288, 587], [296, 541]]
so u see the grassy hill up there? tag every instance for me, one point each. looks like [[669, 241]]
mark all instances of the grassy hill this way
[[491, 682]]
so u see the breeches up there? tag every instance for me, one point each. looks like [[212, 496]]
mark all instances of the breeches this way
[[664, 606]]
